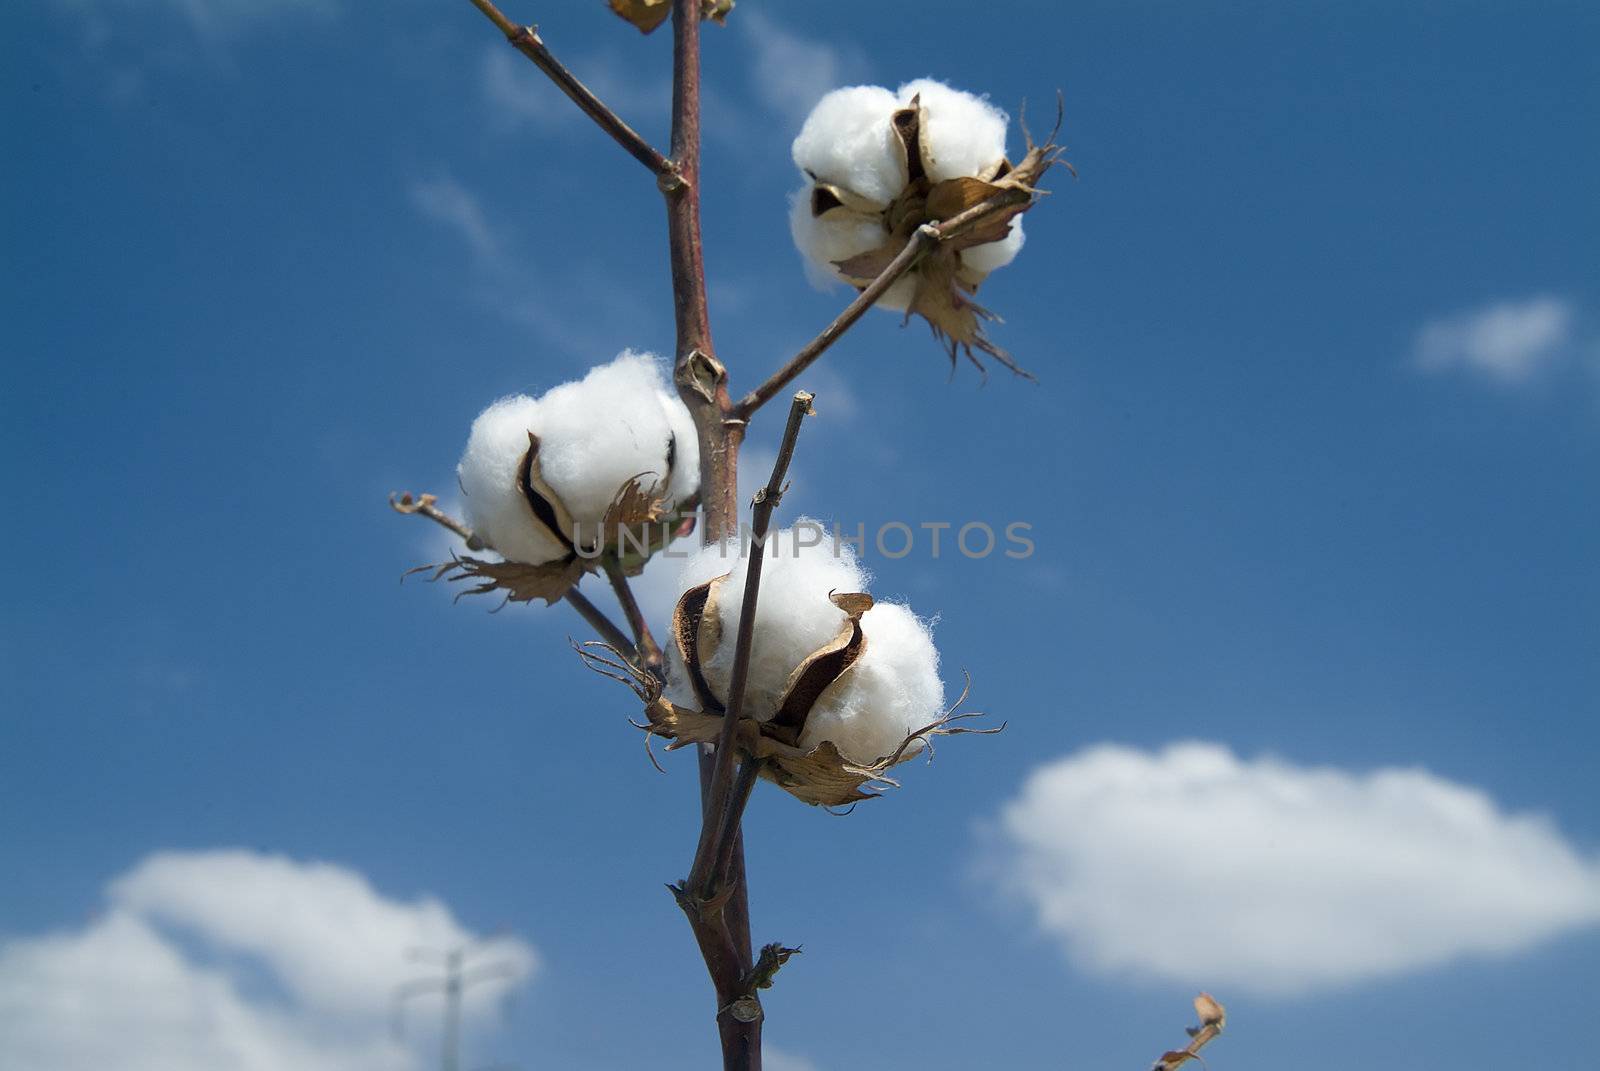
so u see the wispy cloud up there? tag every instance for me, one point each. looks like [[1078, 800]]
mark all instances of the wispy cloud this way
[[1509, 342], [212, 17], [1194, 865], [517, 92], [447, 202], [789, 72], [169, 977]]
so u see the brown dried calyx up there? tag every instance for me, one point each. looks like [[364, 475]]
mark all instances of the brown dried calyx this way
[[637, 523], [818, 775], [646, 15], [943, 282]]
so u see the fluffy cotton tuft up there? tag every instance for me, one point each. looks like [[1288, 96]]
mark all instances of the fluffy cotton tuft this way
[[962, 134], [595, 434], [848, 142], [891, 691]]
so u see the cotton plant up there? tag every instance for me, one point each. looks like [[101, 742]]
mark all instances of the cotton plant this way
[[879, 165], [776, 662]]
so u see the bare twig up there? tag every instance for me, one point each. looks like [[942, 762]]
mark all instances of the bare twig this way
[[922, 242], [600, 622], [649, 652], [424, 506], [723, 806], [526, 39]]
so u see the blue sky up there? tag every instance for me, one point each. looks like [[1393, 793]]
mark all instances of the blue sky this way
[[1310, 469]]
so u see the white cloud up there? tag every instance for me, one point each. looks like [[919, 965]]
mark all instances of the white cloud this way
[[1509, 342], [776, 1059], [447, 202], [1192, 865], [791, 73], [227, 961]]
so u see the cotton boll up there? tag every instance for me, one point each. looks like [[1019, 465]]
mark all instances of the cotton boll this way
[[891, 691], [595, 435], [961, 134], [794, 616], [848, 140], [601, 431], [488, 472], [987, 257]]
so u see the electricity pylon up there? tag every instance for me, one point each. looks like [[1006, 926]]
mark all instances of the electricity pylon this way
[[458, 975]]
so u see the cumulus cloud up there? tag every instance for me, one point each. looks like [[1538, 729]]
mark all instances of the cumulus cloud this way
[[228, 959], [1193, 865], [1509, 342]]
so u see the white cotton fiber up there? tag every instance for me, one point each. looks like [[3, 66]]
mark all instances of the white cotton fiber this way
[[496, 510], [961, 134], [595, 435], [892, 690], [834, 236], [991, 255], [848, 140]]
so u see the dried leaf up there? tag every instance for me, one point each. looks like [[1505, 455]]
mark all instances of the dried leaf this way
[[635, 504], [818, 672], [954, 196], [520, 582], [772, 958], [647, 15], [1210, 1011], [1174, 1059]]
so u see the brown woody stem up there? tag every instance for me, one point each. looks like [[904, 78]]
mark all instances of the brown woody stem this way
[[721, 932], [723, 805], [527, 41], [923, 240], [649, 652]]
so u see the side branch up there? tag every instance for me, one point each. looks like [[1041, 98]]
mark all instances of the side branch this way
[[527, 41], [649, 651], [922, 242], [424, 506], [724, 805]]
